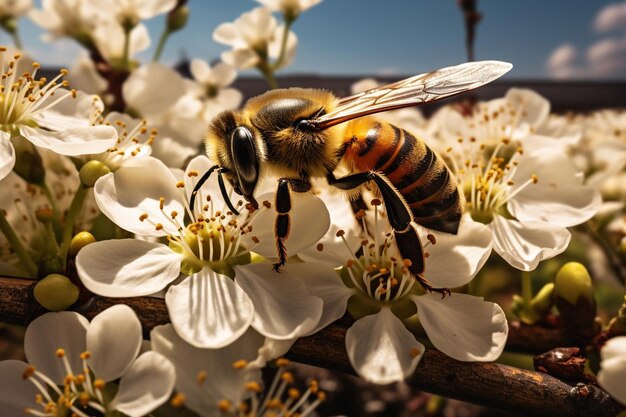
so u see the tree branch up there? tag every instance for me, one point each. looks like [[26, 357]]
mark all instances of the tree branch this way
[[490, 384]]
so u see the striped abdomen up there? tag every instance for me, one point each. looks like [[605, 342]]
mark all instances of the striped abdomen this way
[[417, 172]]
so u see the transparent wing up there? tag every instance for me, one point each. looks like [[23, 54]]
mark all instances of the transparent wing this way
[[431, 86]]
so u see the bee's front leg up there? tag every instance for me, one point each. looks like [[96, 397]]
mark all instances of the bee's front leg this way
[[282, 224]]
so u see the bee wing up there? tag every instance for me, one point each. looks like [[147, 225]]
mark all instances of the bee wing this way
[[419, 89]]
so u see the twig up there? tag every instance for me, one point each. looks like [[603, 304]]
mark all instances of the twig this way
[[490, 384]]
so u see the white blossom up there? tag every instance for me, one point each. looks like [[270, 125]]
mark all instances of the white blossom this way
[[613, 368], [71, 18], [14, 8]]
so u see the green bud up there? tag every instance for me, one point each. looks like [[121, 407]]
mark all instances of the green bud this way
[[79, 241], [56, 292], [177, 18], [92, 171], [49, 264], [542, 302], [573, 282], [28, 163], [574, 298], [9, 24], [522, 311]]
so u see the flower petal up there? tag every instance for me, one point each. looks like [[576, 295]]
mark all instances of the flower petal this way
[[283, 307], [381, 349], [223, 380], [146, 385], [153, 88], [614, 348], [209, 310], [324, 282], [7, 155], [462, 326], [454, 260], [16, 393], [73, 142], [113, 339], [309, 222], [63, 330], [136, 189], [127, 267], [611, 377], [524, 245]]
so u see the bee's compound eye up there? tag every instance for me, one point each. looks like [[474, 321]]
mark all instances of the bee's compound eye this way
[[245, 159]]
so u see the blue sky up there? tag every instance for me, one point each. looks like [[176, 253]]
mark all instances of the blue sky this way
[[391, 37]]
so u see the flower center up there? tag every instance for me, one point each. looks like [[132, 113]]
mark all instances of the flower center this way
[[131, 141], [485, 175], [22, 97], [82, 394]]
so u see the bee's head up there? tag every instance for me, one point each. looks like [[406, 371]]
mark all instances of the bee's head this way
[[234, 145]]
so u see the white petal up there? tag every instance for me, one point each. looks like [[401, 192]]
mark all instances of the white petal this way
[[524, 245], [283, 307], [454, 260], [614, 348], [309, 222], [16, 393], [532, 107], [209, 310], [70, 113], [149, 9], [73, 142], [113, 339], [290, 48], [127, 267], [63, 330], [153, 88], [146, 385], [381, 349], [225, 33], [324, 282], [223, 381], [611, 377], [7, 155], [462, 326], [136, 188], [564, 206], [200, 70], [240, 58], [223, 74]]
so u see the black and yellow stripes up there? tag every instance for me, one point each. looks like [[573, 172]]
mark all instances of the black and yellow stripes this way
[[417, 172]]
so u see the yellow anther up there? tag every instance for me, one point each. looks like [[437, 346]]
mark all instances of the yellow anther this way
[[38, 398], [158, 226], [282, 362], [180, 184], [192, 173], [275, 403], [161, 202], [80, 378], [85, 355], [360, 214], [143, 217], [287, 377], [174, 214], [340, 233], [99, 384], [240, 364], [321, 396], [314, 386], [64, 71], [534, 178], [178, 400], [383, 270], [224, 405], [253, 386], [60, 353], [28, 372], [255, 239], [364, 242], [293, 393], [407, 262], [349, 263], [431, 238], [84, 399], [201, 377], [415, 352]]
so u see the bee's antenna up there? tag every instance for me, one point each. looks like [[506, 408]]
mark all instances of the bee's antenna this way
[[220, 181], [200, 183]]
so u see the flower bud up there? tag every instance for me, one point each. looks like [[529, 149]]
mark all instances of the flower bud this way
[[574, 297], [44, 215], [49, 264], [79, 241], [542, 302], [177, 18], [56, 292], [92, 171]]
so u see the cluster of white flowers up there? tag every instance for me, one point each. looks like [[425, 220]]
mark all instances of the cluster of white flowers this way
[[70, 161]]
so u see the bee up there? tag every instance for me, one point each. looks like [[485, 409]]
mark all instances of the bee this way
[[297, 134]]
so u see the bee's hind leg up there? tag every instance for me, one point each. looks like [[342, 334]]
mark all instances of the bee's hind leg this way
[[282, 224], [400, 217]]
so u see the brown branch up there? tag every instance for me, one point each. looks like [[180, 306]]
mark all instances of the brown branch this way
[[490, 384]]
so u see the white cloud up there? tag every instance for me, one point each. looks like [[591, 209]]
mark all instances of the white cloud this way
[[611, 17], [605, 58]]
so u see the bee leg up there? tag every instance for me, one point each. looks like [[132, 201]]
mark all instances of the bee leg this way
[[400, 217], [283, 221]]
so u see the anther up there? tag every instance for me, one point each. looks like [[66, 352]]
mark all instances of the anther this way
[[158, 226], [28, 372], [201, 377], [60, 353], [161, 203], [192, 173], [99, 384], [282, 362], [85, 355], [407, 262], [414, 352], [376, 202], [534, 178], [320, 247], [178, 400], [180, 184], [293, 393], [340, 233], [253, 386], [224, 405], [240, 364], [431, 238]]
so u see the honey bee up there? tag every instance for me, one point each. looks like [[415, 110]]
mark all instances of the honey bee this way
[[297, 134]]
